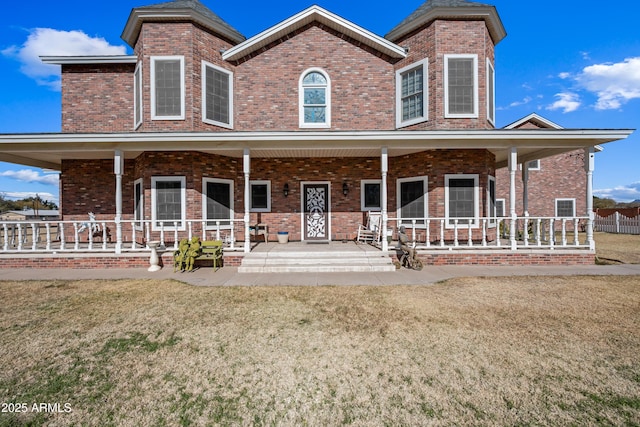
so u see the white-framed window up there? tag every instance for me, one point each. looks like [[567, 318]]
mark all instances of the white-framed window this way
[[260, 196], [217, 95], [370, 195], [500, 208], [461, 86], [412, 91], [315, 99], [533, 165], [491, 93], [565, 208], [168, 202], [461, 200], [491, 201], [167, 87], [137, 94], [217, 202], [412, 200], [138, 204]]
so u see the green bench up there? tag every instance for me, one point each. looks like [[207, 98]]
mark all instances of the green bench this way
[[193, 250]]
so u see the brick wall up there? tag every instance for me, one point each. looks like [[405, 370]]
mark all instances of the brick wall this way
[[88, 185], [97, 98], [559, 177]]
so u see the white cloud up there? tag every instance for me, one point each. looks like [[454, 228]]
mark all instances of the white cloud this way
[[31, 176], [567, 102], [51, 42], [524, 101], [623, 193], [614, 83]]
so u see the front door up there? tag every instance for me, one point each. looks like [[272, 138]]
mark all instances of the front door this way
[[315, 201]]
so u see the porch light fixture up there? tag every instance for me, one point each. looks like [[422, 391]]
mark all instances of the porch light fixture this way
[[345, 188], [285, 190]]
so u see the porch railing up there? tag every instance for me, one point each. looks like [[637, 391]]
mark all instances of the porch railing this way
[[431, 233], [506, 233], [101, 236]]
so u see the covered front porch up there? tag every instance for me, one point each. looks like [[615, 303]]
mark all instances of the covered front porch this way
[[318, 186]]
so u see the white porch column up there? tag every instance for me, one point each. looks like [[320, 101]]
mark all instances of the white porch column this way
[[513, 165], [118, 169], [246, 162], [589, 166], [384, 168], [525, 189]]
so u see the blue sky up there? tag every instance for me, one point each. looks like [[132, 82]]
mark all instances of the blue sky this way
[[574, 62]]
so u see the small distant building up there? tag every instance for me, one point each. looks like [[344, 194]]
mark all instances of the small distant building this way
[[31, 215]]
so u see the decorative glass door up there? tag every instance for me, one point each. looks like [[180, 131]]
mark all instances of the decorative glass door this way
[[316, 211]]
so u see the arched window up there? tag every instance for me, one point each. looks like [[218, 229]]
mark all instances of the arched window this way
[[315, 99]]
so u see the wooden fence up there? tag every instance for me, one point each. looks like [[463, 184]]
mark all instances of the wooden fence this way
[[617, 223]]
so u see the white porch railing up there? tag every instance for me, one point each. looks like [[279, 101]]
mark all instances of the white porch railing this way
[[431, 233], [100, 236], [618, 223], [491, 233]]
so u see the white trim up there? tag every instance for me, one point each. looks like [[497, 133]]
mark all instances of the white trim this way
[[231, 184], [363, 183], [491, 94], [313, 13], [138, 222], [89, 59], [327, 114], [425, 93], [572, 200], [138, 90], [473, 114], [183, 201], [399, 181], [260, 182], [302, 184], [476, 200], [206, 65], [153, 61], [533, 117]]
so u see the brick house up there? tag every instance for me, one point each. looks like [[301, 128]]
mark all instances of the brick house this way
[[304, 127]]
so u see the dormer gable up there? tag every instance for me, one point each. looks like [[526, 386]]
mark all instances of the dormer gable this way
[[533, 121], [178, 11], [432, 10], [308, 16]]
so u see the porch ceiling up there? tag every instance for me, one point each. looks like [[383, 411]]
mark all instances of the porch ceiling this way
[[48, 150]]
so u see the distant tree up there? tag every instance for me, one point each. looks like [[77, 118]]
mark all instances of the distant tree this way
[[605, 203]]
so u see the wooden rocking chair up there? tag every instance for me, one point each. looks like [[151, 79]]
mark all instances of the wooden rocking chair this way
[[370, 233]]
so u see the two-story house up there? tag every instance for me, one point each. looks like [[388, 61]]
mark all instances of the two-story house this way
[[304, 127]]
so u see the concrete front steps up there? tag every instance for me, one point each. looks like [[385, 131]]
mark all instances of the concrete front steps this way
[[297, 261]]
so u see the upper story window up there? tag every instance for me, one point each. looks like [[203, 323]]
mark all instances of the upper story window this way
[[167, 88], [137, 93], [461, 86], [217, 95], [315, 99], [491, 93], [411, 94]]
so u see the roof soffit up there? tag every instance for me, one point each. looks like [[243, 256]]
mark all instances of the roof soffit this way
[[307, 16], [450, 10], [178, 11]]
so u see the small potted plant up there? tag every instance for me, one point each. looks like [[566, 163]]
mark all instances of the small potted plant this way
[[283, 236]]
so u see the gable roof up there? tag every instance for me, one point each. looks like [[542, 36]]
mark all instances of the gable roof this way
[[314, 13], [537, 120], [178, 10], [450, 9]]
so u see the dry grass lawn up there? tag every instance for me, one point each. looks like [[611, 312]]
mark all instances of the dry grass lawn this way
[[483, 351], [617, 248]]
